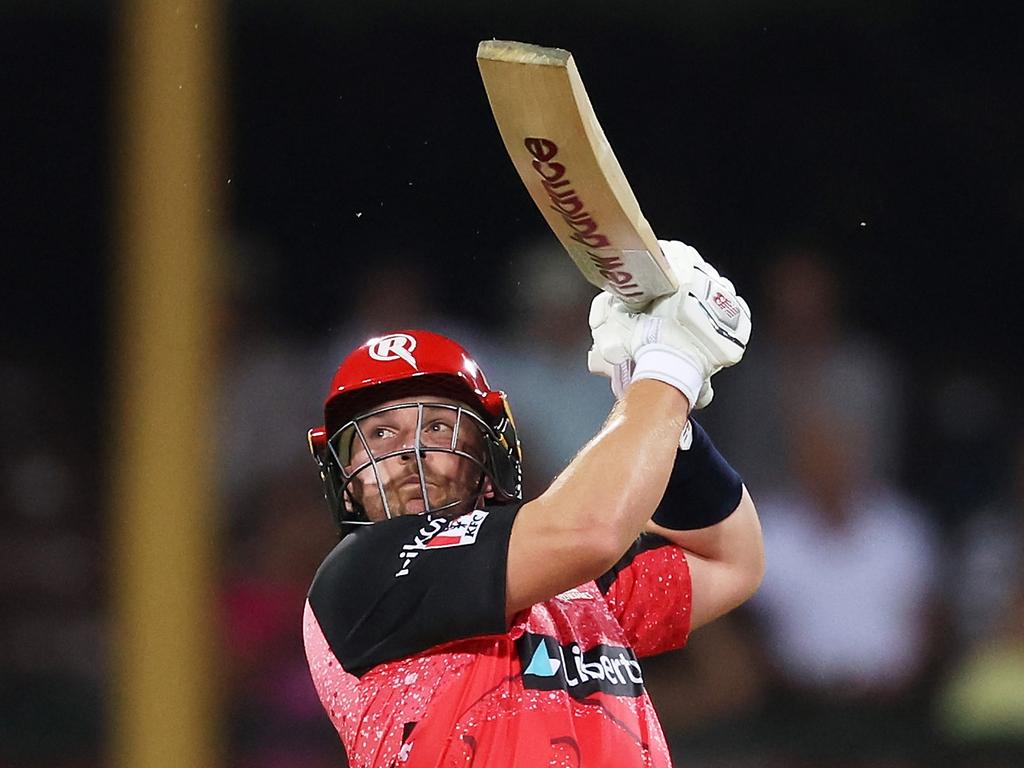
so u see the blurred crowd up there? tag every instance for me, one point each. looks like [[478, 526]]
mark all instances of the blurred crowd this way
[[889, 631]]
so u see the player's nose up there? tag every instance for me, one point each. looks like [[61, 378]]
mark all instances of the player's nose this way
[[409, 446]]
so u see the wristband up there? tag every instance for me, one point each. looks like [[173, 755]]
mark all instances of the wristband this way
[[664, 363], [703, 488]]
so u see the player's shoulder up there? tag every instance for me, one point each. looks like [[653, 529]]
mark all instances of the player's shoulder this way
[[364, 537], [383, 551], [365, 549], [400, 586]]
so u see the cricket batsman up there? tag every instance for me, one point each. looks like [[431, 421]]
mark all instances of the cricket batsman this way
[[457, 625]]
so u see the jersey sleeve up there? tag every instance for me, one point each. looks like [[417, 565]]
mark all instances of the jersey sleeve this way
[[402, 586], [648, 591]]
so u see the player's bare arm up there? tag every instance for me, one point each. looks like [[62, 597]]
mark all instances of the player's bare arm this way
[[606, 497], [726, 561], [726, 555], [580, 526]]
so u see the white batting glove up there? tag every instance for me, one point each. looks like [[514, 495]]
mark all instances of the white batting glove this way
[[707, 306], [682, 339], [621, 374]]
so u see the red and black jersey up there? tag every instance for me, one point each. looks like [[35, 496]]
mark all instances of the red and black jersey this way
[[408, 648]]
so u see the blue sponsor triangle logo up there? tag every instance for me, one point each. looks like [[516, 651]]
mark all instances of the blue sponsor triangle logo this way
[[541, 664]]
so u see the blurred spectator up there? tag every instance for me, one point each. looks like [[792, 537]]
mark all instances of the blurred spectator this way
[[813, 420], [981, 706], [52, 635], [394, 292], [801, 351], [275, 717], [848, 601], [961, 414], [270, 386], [542, 361], [990, 548]]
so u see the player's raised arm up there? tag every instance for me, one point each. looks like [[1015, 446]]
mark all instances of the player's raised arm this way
[[597, 507], [706, 510]]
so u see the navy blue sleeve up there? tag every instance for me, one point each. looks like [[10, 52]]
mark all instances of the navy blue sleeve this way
[[703, 488], [401, 586]]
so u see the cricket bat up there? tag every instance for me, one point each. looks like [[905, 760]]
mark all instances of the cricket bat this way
[[557, 145]]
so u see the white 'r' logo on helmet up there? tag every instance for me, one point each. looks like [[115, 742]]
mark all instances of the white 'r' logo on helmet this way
[[396, 346]]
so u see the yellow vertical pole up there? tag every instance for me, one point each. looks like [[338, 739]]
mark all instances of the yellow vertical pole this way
[[168, 188]]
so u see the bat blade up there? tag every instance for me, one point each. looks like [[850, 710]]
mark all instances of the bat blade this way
[[567, 165]]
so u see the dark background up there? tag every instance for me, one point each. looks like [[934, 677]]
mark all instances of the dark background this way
[[740, 128], [886, 135]]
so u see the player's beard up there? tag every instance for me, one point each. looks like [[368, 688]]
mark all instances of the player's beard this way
[[449, 496]]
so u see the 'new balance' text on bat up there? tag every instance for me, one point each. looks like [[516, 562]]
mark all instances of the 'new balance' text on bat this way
[[561, 153]]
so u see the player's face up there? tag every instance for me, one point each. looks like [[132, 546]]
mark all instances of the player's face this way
[[446, 477]]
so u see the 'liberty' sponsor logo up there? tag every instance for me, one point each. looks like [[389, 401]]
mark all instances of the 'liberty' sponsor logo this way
[[439, 533], [548, 666]]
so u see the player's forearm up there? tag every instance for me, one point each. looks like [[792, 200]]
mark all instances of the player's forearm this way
[[612, 487]]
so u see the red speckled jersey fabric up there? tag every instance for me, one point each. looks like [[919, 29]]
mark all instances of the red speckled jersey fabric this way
[[561, 687]]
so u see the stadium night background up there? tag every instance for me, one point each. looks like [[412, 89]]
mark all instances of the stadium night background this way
[[853, 167]]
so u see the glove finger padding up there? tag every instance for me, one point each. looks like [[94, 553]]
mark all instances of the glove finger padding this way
[[682, 258], [611, 327], [686, 338], [620, 374], [703, 280], [597, 365], [686, 260], [706, 395]]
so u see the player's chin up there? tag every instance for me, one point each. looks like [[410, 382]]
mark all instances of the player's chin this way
[[411, 502], [414, 507], [446, 506]]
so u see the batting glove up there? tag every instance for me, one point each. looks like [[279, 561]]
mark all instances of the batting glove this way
[[682, 339]]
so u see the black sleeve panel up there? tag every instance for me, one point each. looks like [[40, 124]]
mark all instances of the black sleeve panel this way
[[404, 585], [645, 542]]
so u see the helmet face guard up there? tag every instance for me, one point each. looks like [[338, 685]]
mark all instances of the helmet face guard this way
[[359, 452], [421, 367]]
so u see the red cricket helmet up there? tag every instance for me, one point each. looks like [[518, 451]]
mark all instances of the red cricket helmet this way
[[416, 363]]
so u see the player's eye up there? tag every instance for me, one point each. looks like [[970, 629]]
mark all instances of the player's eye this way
[[437, 432], [381, 433]]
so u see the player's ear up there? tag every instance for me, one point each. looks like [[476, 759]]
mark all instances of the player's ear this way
[[487, 490]]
